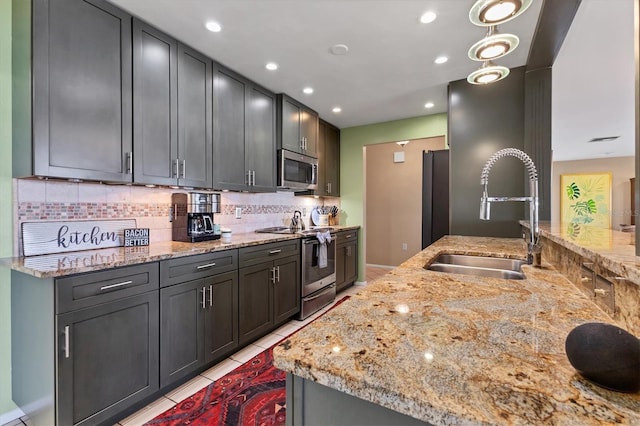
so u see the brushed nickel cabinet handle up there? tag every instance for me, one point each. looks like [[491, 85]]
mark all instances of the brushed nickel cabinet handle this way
[[208, 265], [211, 295], [67, 351], [129, 163], [176, 166], [184, 169], [275, 251], [204, 297], [278, 273], [273, 275], [110, 286]]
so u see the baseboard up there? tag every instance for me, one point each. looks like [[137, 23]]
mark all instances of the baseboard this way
[[380, 266], [10, 416], [361, 283]]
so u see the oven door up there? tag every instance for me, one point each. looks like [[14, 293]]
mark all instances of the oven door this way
[[313, 276], [297, 171]]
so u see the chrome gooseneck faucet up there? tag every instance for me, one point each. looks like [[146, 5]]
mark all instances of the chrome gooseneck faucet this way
[[534, 247]]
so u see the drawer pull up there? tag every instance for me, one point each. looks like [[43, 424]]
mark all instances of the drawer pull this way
[[208, 265], [109, 287], [66, 341], [348, 236], [275, 251], [307, 299]]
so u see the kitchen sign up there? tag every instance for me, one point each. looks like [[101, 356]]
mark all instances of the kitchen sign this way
[[60, 237]]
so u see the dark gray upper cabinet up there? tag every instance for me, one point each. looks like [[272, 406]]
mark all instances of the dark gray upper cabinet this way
[[81, 90], [172, 90], [297, 126], [243, 134], [155, 106], [194, 118], [329, 160]]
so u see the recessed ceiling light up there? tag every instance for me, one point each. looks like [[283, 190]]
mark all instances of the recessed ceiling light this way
[[441, 59], [428, 17], [271, 66], [213, 26], [339, 49], [308, 90], [336, 109], [428, 105]]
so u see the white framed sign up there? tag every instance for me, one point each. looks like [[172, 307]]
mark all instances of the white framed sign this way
[[60, 237]]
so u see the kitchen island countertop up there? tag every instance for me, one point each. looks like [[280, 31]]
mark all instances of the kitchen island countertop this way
[[460, 349], [63, 264]]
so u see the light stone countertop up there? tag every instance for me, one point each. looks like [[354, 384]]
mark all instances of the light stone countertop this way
[[459, 349], [615, 250], [62, 264]]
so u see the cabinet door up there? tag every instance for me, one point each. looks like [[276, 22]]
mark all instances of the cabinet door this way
[[341, 257], [182, 309], [351, 262], [229, 110], [289, 123], [261, 139], [221, 315], [331, 161], [309, 131], [286, 295], [194, 118], [322, 171], [81, 90], [255, 305], [155, 106], [107, 358]]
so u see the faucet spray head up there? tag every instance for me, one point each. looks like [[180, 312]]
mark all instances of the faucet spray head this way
[[485, 209]]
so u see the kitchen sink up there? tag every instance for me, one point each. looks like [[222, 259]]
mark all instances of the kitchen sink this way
[[484, 266]]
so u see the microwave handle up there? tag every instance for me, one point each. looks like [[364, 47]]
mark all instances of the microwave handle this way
[[314, 174]]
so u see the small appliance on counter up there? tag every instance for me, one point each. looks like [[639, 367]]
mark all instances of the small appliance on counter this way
[[192, 216]]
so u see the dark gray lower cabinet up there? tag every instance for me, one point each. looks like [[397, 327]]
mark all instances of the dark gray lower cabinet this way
[[346, 259], [107, 358], [269, 292], [198, 324]]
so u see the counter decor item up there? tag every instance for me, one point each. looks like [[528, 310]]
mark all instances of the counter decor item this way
[[226, 235], [605, 355], [136, 237]]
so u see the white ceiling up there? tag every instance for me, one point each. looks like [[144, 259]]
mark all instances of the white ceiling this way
[[593, 91], [389, 72]]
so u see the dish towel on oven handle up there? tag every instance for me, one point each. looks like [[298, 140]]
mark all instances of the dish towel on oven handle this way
[[324, 238]]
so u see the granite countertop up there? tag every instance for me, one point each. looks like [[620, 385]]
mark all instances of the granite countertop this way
[[459, 349], [61, 264], [614, 250]]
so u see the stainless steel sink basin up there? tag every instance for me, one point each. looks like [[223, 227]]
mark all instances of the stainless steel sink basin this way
[[483, 266]]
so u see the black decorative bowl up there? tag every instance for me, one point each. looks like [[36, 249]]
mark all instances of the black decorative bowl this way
[[606, 355]]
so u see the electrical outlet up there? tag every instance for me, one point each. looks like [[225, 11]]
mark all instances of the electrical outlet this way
[[304, 211], [404, 246], [238, 212]]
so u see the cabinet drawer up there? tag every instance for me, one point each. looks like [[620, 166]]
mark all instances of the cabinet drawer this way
[[81, 291], [189, 268], [249, 256], [347, 236]]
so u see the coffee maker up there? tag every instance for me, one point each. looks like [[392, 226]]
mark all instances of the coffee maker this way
[[192, 216]]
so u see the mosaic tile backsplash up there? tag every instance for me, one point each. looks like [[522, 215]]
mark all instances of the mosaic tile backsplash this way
[[50, 200]]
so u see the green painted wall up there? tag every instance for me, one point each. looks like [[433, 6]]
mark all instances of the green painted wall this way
[[352, 141], [6, 203]]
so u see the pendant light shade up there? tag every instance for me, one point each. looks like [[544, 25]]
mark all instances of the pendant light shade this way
[[488, 73], [493, 12], [493, 46]]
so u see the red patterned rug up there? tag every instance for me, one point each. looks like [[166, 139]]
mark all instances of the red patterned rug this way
[[252, 394]]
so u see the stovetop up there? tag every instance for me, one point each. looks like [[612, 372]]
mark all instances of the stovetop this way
[[286, 230]]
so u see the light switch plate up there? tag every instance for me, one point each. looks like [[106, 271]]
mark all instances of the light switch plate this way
[[238, 212]]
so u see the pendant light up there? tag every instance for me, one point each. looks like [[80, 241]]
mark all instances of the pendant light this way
[[493, 46], [488, 73], [493, 12]]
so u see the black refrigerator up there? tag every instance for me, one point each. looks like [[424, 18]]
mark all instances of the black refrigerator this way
[[435, 195]]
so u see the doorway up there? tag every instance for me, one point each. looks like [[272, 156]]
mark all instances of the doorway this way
[[393, 199]]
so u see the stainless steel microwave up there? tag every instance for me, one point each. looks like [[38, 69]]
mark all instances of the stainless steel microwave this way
[[297, 171]]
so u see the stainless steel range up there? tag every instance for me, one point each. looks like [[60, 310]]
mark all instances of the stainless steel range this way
[[318, 276]]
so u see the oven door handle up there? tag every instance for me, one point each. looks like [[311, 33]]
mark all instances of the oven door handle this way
[[307, 299]]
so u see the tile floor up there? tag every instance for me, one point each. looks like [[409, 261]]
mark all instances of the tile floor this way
[[214, 373]]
